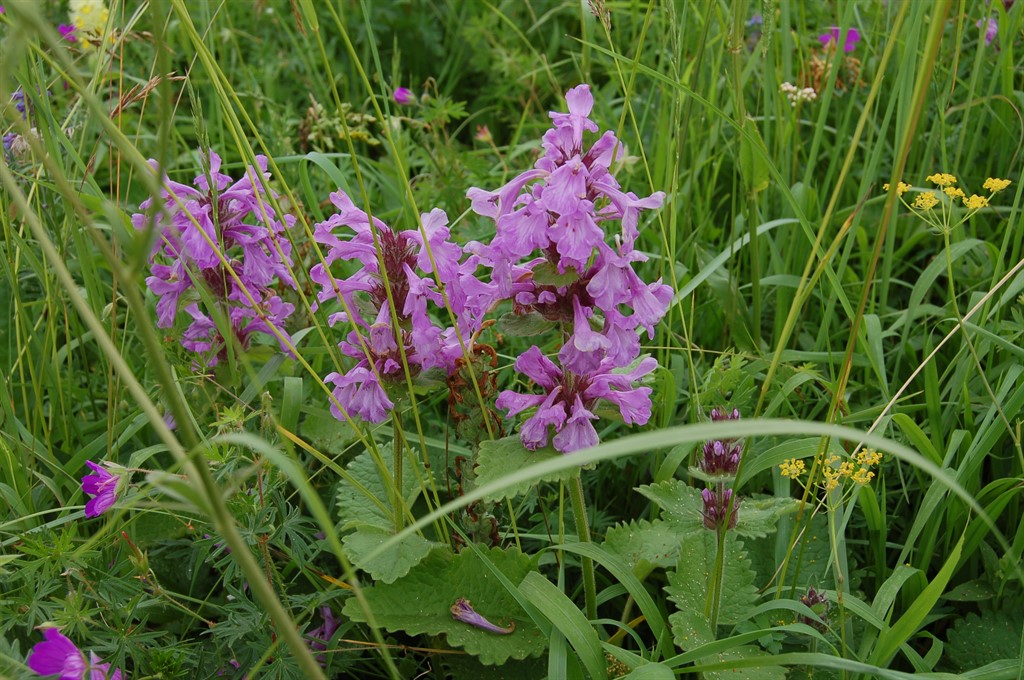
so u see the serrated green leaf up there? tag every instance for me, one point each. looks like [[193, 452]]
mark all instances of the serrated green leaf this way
[[325, 432], [365, 497], [756, 517], [688, 588], [976, 640], [500, 458], [393, 563], [420, 603], [524, 325], [547, 274], [645, 545]]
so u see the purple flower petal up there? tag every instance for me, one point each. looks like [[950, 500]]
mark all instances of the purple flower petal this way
[[463, 611], [57, 655]]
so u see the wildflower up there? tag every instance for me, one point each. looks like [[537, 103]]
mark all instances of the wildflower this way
[[975, 202], [58, 655], [220, 221], [483, 134], [102, 486], [721, 456], [994, 184], [926, 201], [67, 31], [716, 504], [901, 188], [862, 476], [818, 603], [320, 636], [942, 179], [463, 611], [798, 96], [868, 457], [403, 96], [570, 398], [792, 468], [89, 18], [850, 40], [953, 192], [991, 29]]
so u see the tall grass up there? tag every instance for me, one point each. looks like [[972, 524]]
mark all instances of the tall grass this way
[[805, 296]]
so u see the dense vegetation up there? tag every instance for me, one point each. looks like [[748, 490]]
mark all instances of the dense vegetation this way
[[524, 338]]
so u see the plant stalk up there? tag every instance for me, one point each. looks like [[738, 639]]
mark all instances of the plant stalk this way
[[579, 511]]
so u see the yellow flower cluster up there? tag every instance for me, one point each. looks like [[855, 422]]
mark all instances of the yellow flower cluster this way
[[834, 469], [89, 17], [901, 188], [792, 468], [942, 179], [928, 199]]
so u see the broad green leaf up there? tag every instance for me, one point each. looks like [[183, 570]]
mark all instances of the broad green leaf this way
[[688, 588], [650, 671], [756, 517], [392, 564], [502, 458], [976, 640], [744, 652], [365, 496], [420, 603], [645, 545], [753, 164]]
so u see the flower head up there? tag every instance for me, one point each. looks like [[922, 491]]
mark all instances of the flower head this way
[[67, 31], [818, 603], [102, 486], [716, 510], [942, 179], [994, 184], [403, 96], [59, 655], [321, 635], [792, 468], [901, 188], [991, 28], [852, 37], [89, 19], [975, 202], [463, 611], [926, 200]]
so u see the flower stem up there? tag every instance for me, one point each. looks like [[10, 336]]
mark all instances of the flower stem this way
[[399, 497], [579, 511], [714, 603]]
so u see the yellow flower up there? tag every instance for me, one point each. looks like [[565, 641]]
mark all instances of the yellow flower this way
[[995, 184], [868, 457], [792, 468], [88, 16], [953, 192], [862, 476], [926, 201], [943, 179], [901, 188], [846, 469], [831, 479], [975, 202]]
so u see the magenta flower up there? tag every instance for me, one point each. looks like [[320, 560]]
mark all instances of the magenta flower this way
[[220, 220], [67, 31], [59, 656], [321, 635], [852, 37], [404, 96], [463, 611], [102, 486], [991, 29], [570, 398], [721, 456], [716, 505]]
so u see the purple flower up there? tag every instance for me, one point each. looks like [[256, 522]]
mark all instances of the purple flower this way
[[852, 37], [721, 456], [716, 505], [569, 400], [102, 486], [818, 603], [404, 96], [991, 29], [58, 655], [320, 636], [463, 611], [220, 221], [67, 31]]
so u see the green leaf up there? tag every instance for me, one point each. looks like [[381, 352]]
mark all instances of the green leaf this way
[[744, 652], [976, 640], [756, 517], [753, 155], [568, 619], [650, 671], [644, 545], [364, 496], [688, 588], [524, 325], [420, 603], [547, 274], [325, 432], [393, 563], [501, 458]]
